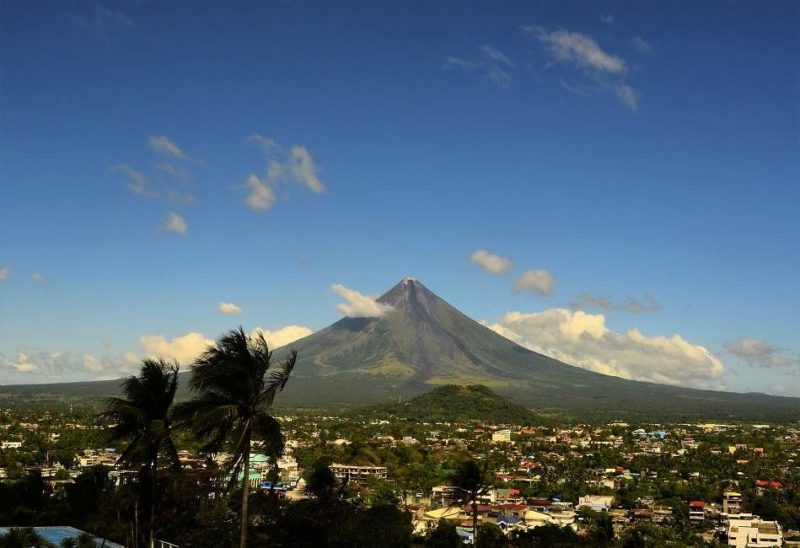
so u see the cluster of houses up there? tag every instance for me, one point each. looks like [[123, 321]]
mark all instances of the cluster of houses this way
[[509, 511], [532, 454]]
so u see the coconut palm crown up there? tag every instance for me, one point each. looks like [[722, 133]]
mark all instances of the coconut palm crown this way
[[234, 385], [143, 416]]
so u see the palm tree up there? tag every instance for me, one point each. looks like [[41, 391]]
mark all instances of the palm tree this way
[[470, 480], [235, 384], [19, 537], [143, 418], [86, 540]]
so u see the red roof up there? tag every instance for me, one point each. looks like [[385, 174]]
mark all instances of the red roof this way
[[512, 507], [697, 504]]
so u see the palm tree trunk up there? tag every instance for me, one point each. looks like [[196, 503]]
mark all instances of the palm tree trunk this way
[[151, 526], [245, 491], [475, 518], [135, 525]]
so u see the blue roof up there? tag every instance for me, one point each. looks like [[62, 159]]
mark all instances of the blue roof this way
[[508, 520], [57, 534]]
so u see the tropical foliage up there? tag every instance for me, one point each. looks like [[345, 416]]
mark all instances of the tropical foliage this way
[[234, 384], [142, 417]]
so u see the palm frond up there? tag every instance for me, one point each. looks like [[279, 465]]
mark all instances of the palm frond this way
[[142, 416]]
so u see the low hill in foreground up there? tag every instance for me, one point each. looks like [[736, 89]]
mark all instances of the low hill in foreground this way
[[460, 403]]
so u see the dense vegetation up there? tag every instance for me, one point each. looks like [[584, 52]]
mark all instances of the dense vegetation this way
[[459, 403]]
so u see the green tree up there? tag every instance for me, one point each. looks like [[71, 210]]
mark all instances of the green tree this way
[[143, 419], [384, 495], [86, 540], [320, 481], [235, 385], [444, 536], [490, 536], [19, 537], [546, 536]]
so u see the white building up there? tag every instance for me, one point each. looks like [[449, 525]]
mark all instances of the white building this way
[[501, 436], [10, 445], [598, 503], [358, 474], [754, 533]]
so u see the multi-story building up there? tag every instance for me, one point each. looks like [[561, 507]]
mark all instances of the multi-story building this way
[[731, 502], [358, 474], [501, 436], [697, 510], [444, 495]]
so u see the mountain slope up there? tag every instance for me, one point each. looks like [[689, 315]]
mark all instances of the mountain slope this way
[[423, 342]]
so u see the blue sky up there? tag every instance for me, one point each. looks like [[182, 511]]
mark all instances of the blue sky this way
[[639, 161]]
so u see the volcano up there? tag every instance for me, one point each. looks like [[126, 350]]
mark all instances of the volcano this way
[[421, 342]]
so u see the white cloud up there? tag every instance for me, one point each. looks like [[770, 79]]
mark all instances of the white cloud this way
[[142, 185], [303, 168], [642, 45], [284, 335], [102, 20], [228, 308], [4, 272], [91, 363], [577, 48], [603, 71], [23, 363], [261, 195], [758, 353], [175, 171], [583, 339], [163, 145], [37, 277], [535, 281], [297, 165], [492, 65], [267, 144], [491, 263], [358, 305], [648, 303], [184, 348], [138, 183], [626, 94], [46, 366], [175, 223]]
